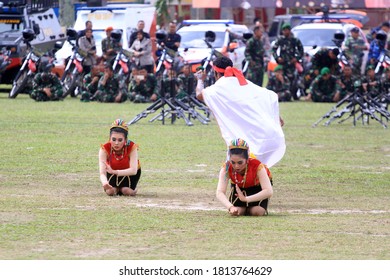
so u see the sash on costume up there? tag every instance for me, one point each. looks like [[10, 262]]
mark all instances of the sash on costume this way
[[249, 112]]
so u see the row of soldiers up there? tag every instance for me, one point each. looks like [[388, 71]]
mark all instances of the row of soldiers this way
[[313, 81], [104, 86], [143, 86], [330, 88]]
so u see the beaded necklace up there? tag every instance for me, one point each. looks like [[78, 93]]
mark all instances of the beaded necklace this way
[[244, 177], [121, 156]]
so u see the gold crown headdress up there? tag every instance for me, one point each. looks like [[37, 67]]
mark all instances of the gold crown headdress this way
[[120, 124], [238, 144]]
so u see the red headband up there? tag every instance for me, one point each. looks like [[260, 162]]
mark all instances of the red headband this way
[[230, 72]]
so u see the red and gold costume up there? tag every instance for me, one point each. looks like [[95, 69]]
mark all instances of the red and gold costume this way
[[120, 162], [249, 183]]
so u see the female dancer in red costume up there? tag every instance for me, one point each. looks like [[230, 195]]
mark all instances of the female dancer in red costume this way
[[119, 166], [250, 180]]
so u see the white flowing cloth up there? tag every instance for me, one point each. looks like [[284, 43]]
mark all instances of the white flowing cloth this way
[[249, 112]]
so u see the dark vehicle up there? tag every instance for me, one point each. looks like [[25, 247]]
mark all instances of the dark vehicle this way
[[275, 29], [19, 15]]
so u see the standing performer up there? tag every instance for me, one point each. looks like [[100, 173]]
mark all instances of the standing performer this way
[[244, 110], [250, 182], [119, 166]]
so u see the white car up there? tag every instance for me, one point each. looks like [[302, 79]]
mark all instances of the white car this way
[[193, 48], [315, 36]]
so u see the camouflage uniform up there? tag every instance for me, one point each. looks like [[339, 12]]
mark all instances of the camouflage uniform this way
[[52, 82], [355, 51], [348, 87], [281, 89], [386, 83], [87, 88], [376, 88], [109, 43], [321, 59], [167, 84], [324, 90], [254, 53], [141, 93], [290, 47], [185, 85], [109, 91]]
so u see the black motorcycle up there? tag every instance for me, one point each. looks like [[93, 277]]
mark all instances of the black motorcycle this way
[[212, 55], [167, 58], [73, 73], [121, 64], [24, 77]]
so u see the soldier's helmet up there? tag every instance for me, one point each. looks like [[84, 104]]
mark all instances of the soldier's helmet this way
[[210, 36], [161, 35], [28, 34], [71, 33], [339, 35], [381, 35], [116, 35]]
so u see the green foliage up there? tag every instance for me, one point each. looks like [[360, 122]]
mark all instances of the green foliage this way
[[162, 12], [331, 189]]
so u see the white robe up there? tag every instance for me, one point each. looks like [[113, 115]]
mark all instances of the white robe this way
[[249, 112]]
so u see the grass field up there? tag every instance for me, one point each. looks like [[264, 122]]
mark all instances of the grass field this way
[[331, 190]]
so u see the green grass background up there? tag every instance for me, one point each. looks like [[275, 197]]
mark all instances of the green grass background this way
[[331, 190]]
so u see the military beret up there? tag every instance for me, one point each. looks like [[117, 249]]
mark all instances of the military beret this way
[[325, 71], [370, 67], [286, 26]]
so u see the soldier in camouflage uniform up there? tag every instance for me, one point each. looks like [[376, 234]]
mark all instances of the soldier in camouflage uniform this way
[[386, 81], [187, 82], [90, 84], [346, 82], [110, 47], [46, 85], [254, 53], [143, 86], [354, 48], [110, 88], [326, 58], [280, 84], [287, 51], [324, 88], [371, 82]]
